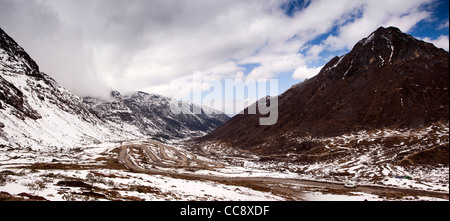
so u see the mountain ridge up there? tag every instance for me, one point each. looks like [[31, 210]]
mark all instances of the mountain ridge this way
[[152, 115]]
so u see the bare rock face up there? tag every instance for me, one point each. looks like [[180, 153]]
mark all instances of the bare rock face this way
[[388, 80]]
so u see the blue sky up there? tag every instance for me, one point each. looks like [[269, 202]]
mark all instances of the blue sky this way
[[91, 47], [437, 24]]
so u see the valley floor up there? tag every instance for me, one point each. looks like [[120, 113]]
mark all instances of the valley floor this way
[[152, 171]]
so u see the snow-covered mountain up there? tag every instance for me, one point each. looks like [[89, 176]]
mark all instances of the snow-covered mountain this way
[[151, 114], [36, 112]]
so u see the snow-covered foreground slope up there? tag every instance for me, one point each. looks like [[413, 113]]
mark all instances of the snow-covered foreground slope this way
[[128, 186]]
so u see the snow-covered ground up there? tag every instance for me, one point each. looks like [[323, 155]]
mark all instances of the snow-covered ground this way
[[122, 185], [47, 173], [358, 196], [21, 171], [367, 157], [40, 171]]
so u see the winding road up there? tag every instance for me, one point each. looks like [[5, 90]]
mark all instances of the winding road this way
[[163, 156]]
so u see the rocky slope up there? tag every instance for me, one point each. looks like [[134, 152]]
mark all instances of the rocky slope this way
[[389, 80]]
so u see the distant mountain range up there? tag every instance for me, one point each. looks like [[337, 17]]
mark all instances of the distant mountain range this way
[[151, 114], [36, 112], [389, 80]]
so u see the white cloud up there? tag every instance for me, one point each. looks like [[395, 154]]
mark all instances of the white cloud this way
[[276, 65], [440, 42], [403, 14], [89, 46], [444, 25], [302, 72]]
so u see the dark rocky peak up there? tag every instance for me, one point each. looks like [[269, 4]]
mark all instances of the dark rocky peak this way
[[386, 40], [115, 94], [393, 44], [384, 48], [384, 35], [140, 95]]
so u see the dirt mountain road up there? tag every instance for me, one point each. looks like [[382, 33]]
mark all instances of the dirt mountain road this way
[[159, 155]]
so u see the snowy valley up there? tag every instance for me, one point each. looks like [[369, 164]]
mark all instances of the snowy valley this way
[[55, 145]]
